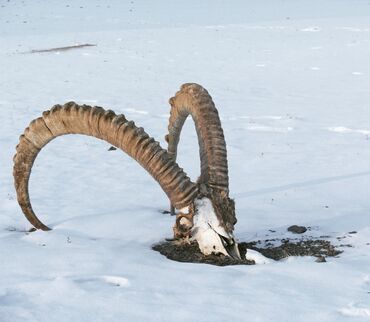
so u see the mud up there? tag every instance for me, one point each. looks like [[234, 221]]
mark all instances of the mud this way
[[189, 252]]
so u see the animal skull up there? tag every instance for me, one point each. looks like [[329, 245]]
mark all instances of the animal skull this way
[[207, 214]]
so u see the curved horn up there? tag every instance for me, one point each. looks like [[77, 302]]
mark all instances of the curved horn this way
[[106, 125], [193, 99]]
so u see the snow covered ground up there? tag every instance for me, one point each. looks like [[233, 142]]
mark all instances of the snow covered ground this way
[[291, 82]]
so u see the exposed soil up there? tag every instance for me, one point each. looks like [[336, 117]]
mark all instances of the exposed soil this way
[[185, 252], [309, 247], [190, 253]]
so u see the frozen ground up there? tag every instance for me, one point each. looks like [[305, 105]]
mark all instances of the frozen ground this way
[[291, 81]]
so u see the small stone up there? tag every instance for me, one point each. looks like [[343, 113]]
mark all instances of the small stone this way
[[112, 148], [352, 232], [320, 259], [297, 229]]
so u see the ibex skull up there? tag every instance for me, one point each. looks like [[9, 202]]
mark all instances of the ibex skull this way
[[206, 213]]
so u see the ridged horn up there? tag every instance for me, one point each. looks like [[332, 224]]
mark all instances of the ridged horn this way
[[194, 100], [106, 125]]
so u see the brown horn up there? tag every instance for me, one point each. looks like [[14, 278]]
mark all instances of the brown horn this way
[[193, 99], [106, 125]]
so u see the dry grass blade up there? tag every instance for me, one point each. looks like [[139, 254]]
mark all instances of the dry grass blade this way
[[61, 48]]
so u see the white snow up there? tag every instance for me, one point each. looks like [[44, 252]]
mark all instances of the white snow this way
[[306, 63], [257, 257]]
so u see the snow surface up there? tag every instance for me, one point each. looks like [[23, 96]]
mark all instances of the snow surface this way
[[291, 82]]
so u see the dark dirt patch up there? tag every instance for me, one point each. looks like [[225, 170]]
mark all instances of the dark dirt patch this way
[[310, 247], [190, 253], [185, 252]]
